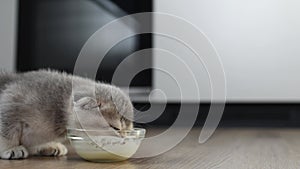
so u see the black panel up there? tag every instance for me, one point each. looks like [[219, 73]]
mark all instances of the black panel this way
[[52, 32], [235, 115]]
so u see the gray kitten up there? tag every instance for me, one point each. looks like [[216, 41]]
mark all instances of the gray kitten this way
[[37, 107]]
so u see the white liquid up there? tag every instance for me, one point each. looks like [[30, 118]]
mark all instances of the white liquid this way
[[106, 148]]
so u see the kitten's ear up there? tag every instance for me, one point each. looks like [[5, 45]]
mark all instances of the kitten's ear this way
[[86, 103]]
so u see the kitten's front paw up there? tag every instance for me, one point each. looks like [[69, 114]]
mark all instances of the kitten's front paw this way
[[15, 153], [53, 149]]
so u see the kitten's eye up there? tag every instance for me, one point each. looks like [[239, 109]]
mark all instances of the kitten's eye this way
[[115, 128]]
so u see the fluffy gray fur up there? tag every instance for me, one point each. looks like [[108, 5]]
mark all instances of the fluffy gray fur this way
[[37, 107]]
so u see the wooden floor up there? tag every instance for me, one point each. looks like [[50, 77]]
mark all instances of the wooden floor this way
[[228, 148]]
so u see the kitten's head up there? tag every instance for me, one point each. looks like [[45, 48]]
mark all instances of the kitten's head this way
[[110, 110]]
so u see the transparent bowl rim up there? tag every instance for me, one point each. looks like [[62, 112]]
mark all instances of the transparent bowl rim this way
[[134, 130]]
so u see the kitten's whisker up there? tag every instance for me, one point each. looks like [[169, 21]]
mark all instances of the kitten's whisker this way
[[142, 108], [139, 113]]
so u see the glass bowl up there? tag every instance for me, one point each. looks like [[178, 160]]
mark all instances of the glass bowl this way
[[105, 145]]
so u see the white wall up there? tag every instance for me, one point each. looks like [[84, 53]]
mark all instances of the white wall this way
[[258, 42], [8, 15]]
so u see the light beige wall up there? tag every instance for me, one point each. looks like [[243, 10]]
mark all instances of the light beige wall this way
[[258, 43], [8, 16]]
